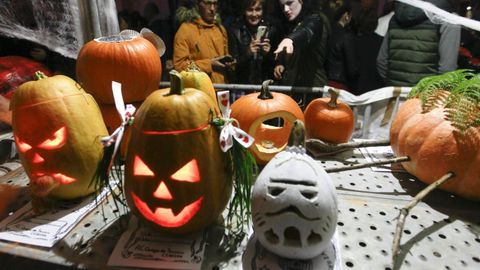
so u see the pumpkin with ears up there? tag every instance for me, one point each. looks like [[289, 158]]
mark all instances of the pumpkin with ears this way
[[130, 60], [329, 119], [253, 110], [175, 173], [57, 129], [438, 129]]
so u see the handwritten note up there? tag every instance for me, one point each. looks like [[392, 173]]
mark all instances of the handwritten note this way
[[45, 230], [144, 247]]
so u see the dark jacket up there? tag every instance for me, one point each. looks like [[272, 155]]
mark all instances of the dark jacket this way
[[252, 69], [415, 48], [341, 61], [305, 67]]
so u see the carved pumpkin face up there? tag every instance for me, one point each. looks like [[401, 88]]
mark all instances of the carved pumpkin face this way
[[57, 129], [175, 176], [294, 206]]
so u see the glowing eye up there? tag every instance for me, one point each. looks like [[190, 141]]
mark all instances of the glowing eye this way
[[188, 173], [140, 168], [58, 140], [22, 146]]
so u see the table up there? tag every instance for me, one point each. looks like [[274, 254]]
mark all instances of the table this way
[[443, 232]]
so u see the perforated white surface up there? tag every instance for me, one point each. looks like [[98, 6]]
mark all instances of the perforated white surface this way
[[443, 232]]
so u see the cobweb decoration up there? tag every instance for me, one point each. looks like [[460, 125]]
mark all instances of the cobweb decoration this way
[[439, 16], [62, 26]]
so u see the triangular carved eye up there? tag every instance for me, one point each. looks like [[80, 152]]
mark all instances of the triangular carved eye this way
[[58, 140], [22, 146], [188, 173], [140, 168]]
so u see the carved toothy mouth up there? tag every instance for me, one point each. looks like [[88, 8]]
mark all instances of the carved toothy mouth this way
[[165, 216], [58, 177]]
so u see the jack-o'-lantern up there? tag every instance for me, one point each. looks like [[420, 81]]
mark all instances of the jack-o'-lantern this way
[[57, 129], [255, 113], [294, 204], [175, 172], [329, 119], [438, 128], [130, 60]]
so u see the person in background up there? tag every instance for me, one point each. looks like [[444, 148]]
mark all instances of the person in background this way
[[341, 65], [367, 44], [414, 47], [251, 47], [301, 53], [203, 40]]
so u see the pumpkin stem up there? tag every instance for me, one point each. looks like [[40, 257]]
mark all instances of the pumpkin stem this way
[[176, 83], [297, 134], [39, 75], [334, 93], [265, 92]]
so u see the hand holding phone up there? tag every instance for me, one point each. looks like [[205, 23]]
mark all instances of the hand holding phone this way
[[261, 31], [226, 59]]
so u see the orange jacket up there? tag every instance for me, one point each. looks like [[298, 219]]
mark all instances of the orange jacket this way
[[199, 41]]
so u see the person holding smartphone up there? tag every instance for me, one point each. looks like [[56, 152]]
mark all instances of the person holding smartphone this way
[[251, 39], [203, 40]]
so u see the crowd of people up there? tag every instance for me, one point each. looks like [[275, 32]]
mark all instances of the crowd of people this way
[[355, 45]]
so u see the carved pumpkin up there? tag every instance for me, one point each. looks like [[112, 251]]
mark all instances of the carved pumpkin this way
[[175, 172], [57, 129], [253, 110], [436, 129], [130, 60], [294, 204], [329, 119]]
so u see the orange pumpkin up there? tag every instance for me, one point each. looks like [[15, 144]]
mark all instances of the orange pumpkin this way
[[175, 173], [329, 119], [253, 110], [427, 131], [132, 61]]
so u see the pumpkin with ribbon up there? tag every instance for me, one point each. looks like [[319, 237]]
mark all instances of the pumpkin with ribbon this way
[[57, 128], [176, 176], [253, 111]]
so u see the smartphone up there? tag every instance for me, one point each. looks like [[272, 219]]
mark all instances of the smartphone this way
[[261, 31], [226, 59]]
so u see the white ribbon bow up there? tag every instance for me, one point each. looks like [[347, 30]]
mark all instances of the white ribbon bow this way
[[126, 114], [229, 131]]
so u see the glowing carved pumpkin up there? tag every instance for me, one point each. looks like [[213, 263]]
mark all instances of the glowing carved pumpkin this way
[[253, 110], [132, 61], [57, 129], [294, 203], [175, 177], [329, 120]]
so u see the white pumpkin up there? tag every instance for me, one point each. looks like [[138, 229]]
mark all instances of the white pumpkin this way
[[257, 257], [294, 205]]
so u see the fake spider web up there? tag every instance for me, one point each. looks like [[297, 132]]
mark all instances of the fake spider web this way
[[61, 26]]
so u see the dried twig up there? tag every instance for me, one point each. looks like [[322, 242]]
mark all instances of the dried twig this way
[[406, 210], [320, 148], [368, 164]]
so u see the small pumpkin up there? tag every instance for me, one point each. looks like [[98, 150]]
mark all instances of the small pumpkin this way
[[193, 77], [253, 110], [437, 127], [329, 119], [130, 60], [175, 172], [57, 129], [294, 203]]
